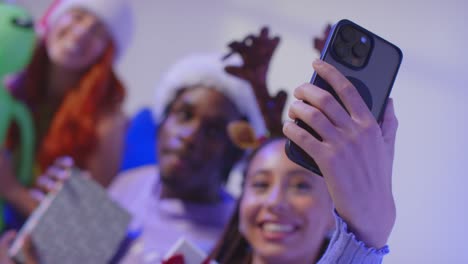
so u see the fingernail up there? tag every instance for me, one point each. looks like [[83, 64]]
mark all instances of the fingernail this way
[[41, 180], [37, 195], [287, 124], [317, 63], [51, 185], [66, 161], [63, 174]]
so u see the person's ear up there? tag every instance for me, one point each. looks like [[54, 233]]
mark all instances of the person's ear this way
[[242, 135]]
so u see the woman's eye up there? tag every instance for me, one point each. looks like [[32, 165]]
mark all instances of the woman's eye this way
[[184, 114], [259, 184], [77, 16], [302, 186]]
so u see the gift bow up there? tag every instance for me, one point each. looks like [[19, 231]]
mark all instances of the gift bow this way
[[179, 259]]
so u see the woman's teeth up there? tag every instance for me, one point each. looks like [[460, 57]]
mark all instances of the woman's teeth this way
[[274, 227]]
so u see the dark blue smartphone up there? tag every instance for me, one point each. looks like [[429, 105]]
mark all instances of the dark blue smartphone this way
[[370, 62]]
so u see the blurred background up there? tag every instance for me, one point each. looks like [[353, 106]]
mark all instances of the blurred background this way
[[430, 178]]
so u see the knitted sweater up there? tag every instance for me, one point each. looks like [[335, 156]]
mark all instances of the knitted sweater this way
[[344, 248]]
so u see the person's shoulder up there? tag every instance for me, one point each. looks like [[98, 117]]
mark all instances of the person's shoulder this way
[[133, 187], [112, 122], [133, 180]]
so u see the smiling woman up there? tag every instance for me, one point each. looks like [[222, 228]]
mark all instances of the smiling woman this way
[[77, 40], [283, 206], [285, 212], [284, 215], [73, 92]]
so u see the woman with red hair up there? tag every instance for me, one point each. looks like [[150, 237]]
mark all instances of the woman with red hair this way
[[73, 93]]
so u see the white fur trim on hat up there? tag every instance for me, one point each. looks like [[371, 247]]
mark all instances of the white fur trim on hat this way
[[208, 70], [116, 15]]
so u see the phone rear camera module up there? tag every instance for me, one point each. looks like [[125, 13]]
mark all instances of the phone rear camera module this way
[[352, 46], [348, 34], [342, 50], [360, 50]]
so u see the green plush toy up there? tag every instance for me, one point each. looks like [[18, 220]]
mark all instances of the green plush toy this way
[[17, 41]]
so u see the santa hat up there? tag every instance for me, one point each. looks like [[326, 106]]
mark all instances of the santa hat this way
[[116, 15], [208, 70]]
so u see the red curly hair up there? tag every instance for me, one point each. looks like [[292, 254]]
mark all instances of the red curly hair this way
[[72, 130]]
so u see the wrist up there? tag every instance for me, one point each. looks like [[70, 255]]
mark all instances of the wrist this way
[[374, 238], [374, 233], [345, 247]]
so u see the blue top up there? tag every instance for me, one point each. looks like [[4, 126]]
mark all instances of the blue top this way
[[140, 141]]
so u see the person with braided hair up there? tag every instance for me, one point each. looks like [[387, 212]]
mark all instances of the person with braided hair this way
[[74, 94]]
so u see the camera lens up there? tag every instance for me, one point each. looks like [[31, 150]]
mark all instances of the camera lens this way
[[342, 50], [348, 34], [360, 50]]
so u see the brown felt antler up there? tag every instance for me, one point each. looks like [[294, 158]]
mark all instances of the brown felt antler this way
[[319, 42], [256, 52]]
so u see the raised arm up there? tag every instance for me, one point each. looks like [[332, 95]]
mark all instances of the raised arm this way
[[355, 156]]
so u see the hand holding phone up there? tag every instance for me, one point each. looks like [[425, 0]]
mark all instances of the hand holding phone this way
[[370, 64], [354, 152]]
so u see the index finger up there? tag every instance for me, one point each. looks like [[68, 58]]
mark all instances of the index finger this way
[[346, 91], [64, 162]]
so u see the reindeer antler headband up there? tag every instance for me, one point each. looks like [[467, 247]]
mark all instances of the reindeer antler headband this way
[[256, 52]]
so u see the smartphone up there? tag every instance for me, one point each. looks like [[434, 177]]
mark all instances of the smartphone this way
[[370, 62]]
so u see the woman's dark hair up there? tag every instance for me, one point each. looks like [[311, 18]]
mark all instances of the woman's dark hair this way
[[232, 247]]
